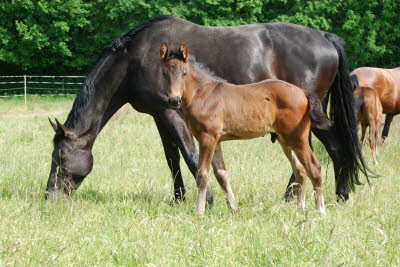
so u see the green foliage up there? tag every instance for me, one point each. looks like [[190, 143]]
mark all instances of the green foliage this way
[[57, 36]]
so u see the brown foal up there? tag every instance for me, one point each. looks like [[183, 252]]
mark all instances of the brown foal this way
[[386, 82], [369, 112], [217, 111]]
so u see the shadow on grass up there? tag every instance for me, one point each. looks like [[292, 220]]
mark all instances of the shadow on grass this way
[[86, 195], [99, 197]]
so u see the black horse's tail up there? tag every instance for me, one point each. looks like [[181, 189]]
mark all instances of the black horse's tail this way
[[319, 120], [343, 116]]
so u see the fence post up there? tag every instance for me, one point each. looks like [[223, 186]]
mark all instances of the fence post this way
[[25, 88]]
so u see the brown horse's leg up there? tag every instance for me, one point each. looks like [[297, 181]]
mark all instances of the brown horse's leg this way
[[372, 140], [299, 188], [363, 131], [207, 145], [377, 141], [388, 121], [313, 169], [223, 177]]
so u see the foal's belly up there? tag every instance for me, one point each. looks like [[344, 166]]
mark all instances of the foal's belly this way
[[247, 127]]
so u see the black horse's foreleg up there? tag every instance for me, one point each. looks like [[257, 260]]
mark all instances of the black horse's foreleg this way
[[172, 156], [174, 122], [388, 121]]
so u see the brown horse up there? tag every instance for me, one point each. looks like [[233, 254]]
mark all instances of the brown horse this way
[[369, 111], [217, 111], [387, 83]]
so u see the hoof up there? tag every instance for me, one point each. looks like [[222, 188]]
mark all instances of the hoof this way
[[209, 198], [289, 196], [53, 195], [179, 195], [342, 197], [321, 212]]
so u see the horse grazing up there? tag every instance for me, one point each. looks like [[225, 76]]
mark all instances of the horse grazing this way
[[369, 112], [217, 111], [386, 82], [128, 72]]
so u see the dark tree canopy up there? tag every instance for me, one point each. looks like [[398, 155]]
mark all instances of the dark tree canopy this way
[[65, 37]]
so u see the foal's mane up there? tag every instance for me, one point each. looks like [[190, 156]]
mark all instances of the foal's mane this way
[[86, 92], [198, 66], [203, 68]]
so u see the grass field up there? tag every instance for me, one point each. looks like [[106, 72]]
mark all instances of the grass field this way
[[121, 215]]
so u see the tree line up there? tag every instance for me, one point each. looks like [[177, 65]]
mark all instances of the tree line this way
[[65, 37]]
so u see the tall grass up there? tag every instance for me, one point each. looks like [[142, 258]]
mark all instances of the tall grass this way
[[122, 213]]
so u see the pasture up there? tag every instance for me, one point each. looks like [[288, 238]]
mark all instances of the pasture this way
[[122, 213]]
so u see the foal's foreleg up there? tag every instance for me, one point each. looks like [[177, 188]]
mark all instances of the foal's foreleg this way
[[207, 146], [299, 187], [173, 122], [313, 169], [222, 176]]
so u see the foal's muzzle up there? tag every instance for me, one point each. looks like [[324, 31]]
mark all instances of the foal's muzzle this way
[[174, 102]]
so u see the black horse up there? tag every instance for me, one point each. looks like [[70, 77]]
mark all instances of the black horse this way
[[128, 71]]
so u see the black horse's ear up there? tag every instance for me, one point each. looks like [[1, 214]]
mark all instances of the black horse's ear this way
[[183, 52], [164, 51], [53, 125], [61, 129]]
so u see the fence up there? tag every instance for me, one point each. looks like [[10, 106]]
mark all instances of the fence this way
[[27, 85]]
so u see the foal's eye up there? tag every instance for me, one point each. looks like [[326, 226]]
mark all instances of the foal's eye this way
[[184, 75]]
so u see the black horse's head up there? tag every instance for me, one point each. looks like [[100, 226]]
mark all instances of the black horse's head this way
[[72, 161]]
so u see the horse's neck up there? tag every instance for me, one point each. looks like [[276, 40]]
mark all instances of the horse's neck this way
[[201, 84], [94, 105]]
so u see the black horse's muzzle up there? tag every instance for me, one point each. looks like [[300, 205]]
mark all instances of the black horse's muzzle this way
[[174, 102]]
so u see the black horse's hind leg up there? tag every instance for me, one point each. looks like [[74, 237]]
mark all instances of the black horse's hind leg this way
[[172, 155], [330, 141], [388, 121], [173, 121]]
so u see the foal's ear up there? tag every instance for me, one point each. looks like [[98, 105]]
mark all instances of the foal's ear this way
[[164, 51], [183, 52]]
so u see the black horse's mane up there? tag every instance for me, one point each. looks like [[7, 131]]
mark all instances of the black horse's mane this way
[[86, 91]]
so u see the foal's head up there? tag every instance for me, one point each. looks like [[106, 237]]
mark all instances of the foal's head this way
[[174, 68]]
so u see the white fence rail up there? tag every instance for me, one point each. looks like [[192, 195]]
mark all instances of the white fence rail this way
[[26, 85]]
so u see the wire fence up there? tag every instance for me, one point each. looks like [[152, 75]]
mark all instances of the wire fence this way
[[28, 85]]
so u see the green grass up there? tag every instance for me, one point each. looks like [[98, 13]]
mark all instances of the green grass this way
[[121, 215]]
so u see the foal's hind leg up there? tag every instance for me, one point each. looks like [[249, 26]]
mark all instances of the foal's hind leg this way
[[363, 131], [222, 176], [372, 140], [299, 188], [313, 168]]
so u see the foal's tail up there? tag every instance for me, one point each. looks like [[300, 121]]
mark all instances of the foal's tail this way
[[319, 120], [358, 103]]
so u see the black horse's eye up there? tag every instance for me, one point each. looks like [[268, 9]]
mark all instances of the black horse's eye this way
[[184, 74]]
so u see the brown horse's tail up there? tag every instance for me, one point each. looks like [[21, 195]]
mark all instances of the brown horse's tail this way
[[359, 103], [343, 116], [319, 120]]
